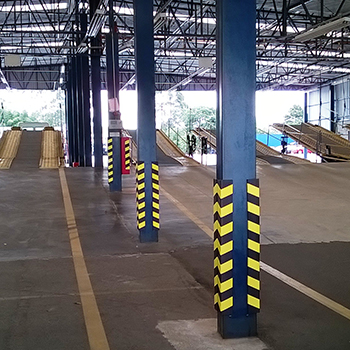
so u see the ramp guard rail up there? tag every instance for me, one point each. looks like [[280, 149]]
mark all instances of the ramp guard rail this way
[[325, 143]]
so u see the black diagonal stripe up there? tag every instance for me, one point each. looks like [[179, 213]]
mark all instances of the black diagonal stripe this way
[[253, 199], [254, 218], [223, 258], [253, 273], [223, 277], [253, 292], [223, 220], [254, 255], [252, 310], [223, 201], [254, 182], [254, 236], [225, 295], [225, 239]]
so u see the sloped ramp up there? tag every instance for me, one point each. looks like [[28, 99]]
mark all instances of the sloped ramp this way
[[167, 152], [169, 148], [28, 152], [9, 145], [325, 143], [52, 156], [264, 154]]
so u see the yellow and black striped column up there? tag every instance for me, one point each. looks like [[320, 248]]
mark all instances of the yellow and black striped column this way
[[140, 195], [155, 195], [127, 154], [223, 246], [253, 208], [110, 161]]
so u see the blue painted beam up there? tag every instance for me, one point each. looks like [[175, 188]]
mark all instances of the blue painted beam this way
[[86, 121], [236, 148], [145, 85], [75, 146], [96, 91]]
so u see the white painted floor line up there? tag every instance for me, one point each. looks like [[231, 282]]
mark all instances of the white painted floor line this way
[[329, 303]]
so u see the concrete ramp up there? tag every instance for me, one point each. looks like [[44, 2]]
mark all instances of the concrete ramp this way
[[28, 155], [9, 145]]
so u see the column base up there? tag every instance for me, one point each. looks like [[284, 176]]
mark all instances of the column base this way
[[237, 327], [148, 237]]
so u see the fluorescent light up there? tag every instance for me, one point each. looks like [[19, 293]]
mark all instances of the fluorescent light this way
[[323, 29]]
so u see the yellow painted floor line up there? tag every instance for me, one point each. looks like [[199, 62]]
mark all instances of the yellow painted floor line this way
[[329, 303], [95, 331]]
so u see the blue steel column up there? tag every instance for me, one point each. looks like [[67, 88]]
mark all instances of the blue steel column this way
[[75, 147], [96, 92], [86, 97], [145, 84], [80, 117], [112, 56], [236, 143]]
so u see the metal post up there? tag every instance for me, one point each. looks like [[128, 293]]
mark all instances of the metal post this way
[[80, 113], [236, 228], [69, 115], [86, 97], [306, 119], [96, 92], [115, 128], [148, 198], [75, 146], [333, 126]]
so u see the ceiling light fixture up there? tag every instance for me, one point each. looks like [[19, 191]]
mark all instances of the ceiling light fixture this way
[[323, 29]]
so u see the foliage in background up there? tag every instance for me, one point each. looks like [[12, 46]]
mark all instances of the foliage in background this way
[[183, 119], [295, 116], [51, 112]]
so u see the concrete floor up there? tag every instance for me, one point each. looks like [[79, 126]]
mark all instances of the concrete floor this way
[[150, 295]]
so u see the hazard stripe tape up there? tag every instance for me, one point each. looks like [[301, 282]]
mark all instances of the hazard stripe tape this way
[[110, 161], [127, 154], [155, 195], [253, 263], [140, 196], [223, 245]]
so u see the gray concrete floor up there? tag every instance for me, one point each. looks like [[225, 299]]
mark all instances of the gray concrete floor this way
[[149, 295]]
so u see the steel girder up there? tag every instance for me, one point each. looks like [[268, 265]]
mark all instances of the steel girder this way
[[45, 33]]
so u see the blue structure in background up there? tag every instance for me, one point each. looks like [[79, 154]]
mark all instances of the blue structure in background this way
[[272, 140]]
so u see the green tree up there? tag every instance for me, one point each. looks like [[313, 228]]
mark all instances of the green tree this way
[[295, 115], [13, 118], [183, 119], [203, 117]]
